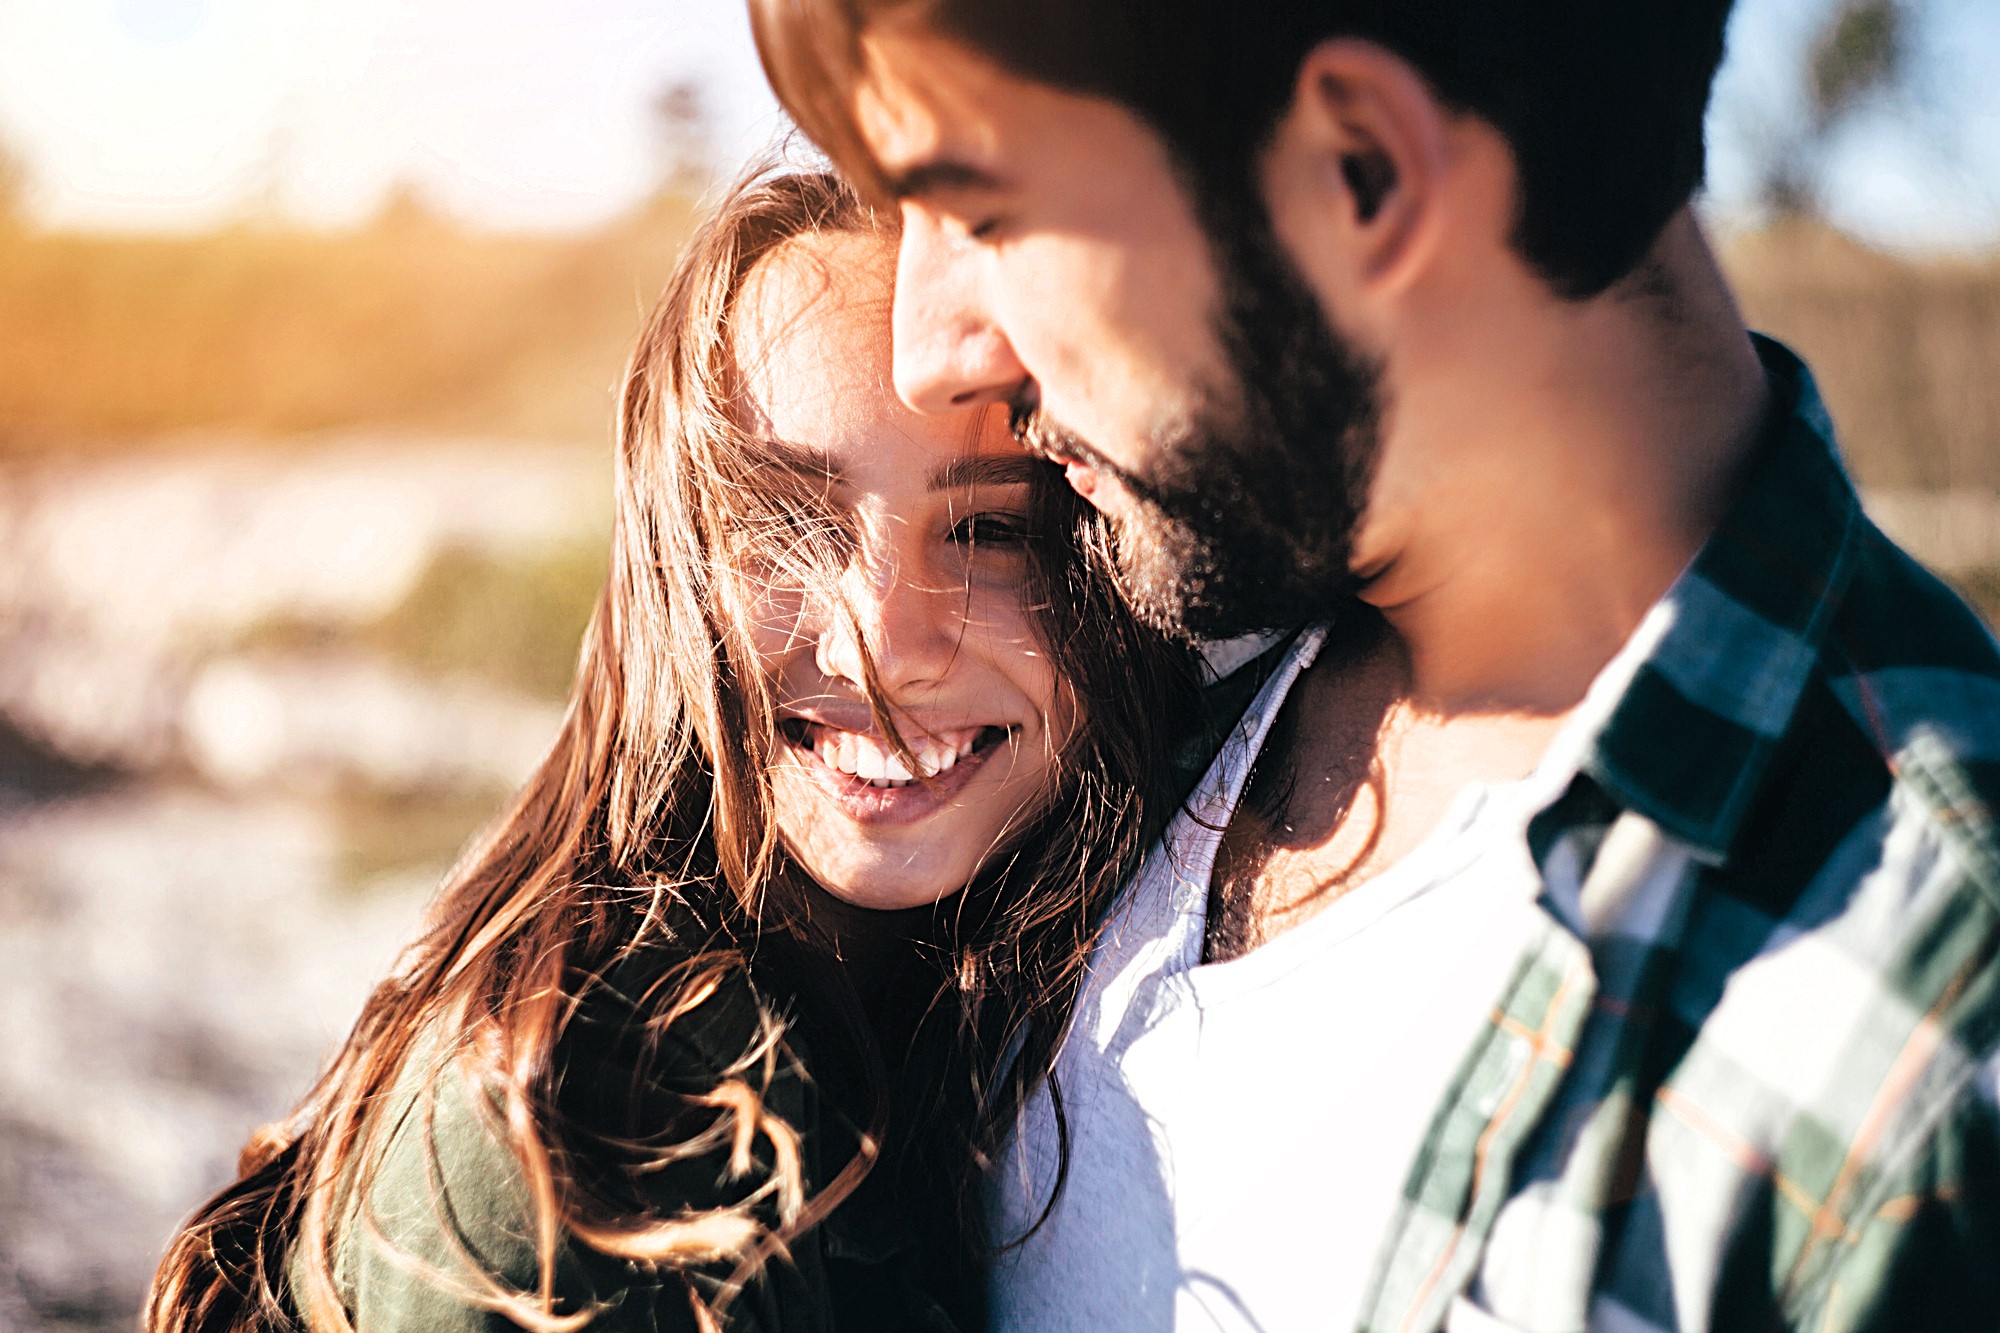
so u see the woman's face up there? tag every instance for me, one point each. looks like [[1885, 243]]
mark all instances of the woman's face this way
[[931, 582]]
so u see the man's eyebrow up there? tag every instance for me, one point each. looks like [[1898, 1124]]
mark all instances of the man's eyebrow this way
[[985, 470], [941, 176]]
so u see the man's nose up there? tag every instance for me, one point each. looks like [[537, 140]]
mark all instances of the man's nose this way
[[949, 352], [888, 618]]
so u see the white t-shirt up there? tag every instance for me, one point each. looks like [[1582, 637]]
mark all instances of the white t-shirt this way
[[1240, 1132]]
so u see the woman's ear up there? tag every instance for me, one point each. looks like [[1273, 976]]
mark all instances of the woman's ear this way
[[1355, 170]]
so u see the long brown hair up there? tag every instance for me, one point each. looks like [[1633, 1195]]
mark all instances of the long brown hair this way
[[651, 798]]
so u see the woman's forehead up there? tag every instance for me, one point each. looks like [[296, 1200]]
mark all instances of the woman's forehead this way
[[812, 343], [821, 300]]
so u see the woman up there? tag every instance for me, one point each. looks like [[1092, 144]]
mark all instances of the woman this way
[[718, 1024]]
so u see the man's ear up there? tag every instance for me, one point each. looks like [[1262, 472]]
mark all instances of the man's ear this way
[[1354, 170]]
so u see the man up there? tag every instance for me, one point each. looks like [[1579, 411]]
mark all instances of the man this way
[[1607, 935]]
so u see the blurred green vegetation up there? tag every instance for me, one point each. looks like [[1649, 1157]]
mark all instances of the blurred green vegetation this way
[[1906, 352], [515, 622], [512, 621], [410, 321], [1860, 56], [386, 834]]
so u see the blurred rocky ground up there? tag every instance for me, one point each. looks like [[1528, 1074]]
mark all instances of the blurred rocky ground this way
[[252, 700]]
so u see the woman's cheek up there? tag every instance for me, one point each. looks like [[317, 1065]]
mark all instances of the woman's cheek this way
[[1013, 642], [1015, 645], [773, 622]]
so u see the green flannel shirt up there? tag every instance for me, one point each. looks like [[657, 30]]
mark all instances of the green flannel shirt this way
[[1744, 1076]]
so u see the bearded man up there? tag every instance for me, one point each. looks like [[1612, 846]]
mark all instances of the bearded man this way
[[1594, 922]]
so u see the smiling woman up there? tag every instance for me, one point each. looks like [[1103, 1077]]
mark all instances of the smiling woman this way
[[938, 515], [719, 1023]]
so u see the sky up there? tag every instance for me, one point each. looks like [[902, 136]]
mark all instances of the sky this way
[[182, 114]]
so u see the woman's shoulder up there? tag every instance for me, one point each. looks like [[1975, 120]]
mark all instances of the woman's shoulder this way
[[443, 1235], [454, 1229]]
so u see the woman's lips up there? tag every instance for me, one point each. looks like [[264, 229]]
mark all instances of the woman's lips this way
[[863, 755], [872, 784]]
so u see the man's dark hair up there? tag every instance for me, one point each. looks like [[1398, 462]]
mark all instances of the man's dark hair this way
[[1602, 101]]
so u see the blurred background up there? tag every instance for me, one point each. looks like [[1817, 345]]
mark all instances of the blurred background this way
[[310, 318]]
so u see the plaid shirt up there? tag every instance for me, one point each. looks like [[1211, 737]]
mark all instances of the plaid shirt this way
[[1744, 1076]]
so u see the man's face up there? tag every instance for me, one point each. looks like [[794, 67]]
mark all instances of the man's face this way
[[1054, 259]]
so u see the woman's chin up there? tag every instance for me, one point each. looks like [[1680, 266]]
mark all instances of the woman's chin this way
[[878, 897], [904, 846], [881, 884]]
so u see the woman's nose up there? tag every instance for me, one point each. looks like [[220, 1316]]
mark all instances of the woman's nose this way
[[886, 616], [949, 352]]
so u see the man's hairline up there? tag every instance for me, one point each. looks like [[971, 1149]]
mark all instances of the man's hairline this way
[[896, 185]]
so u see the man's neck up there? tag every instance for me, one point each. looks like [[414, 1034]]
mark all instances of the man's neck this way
[[1555, 487], [1534, 501]]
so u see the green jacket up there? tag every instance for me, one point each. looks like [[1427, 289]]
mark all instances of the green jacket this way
[[448, 1204]]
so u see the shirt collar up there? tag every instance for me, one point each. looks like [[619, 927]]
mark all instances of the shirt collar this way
[[1690, 739]]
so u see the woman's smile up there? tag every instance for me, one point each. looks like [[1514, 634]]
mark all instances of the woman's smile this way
[[864, 777]]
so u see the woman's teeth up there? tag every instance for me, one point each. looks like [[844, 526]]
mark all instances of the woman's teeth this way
[[861, 755]]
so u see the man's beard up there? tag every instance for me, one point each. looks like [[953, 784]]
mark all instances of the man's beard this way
[[1246, 520]]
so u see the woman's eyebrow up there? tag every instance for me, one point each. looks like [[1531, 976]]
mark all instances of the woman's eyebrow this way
[[802, 459], [989, 470]]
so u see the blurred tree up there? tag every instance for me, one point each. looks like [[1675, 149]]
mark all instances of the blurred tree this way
[[683, 136], [1862, 51], [406, 209], [263, 204]]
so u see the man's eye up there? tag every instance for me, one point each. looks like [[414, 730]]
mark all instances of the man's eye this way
[[1005, 530], [985, 231]]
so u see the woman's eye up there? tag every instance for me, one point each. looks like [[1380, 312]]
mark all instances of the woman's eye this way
[[984, 231], [991, 529], [791, 545]]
